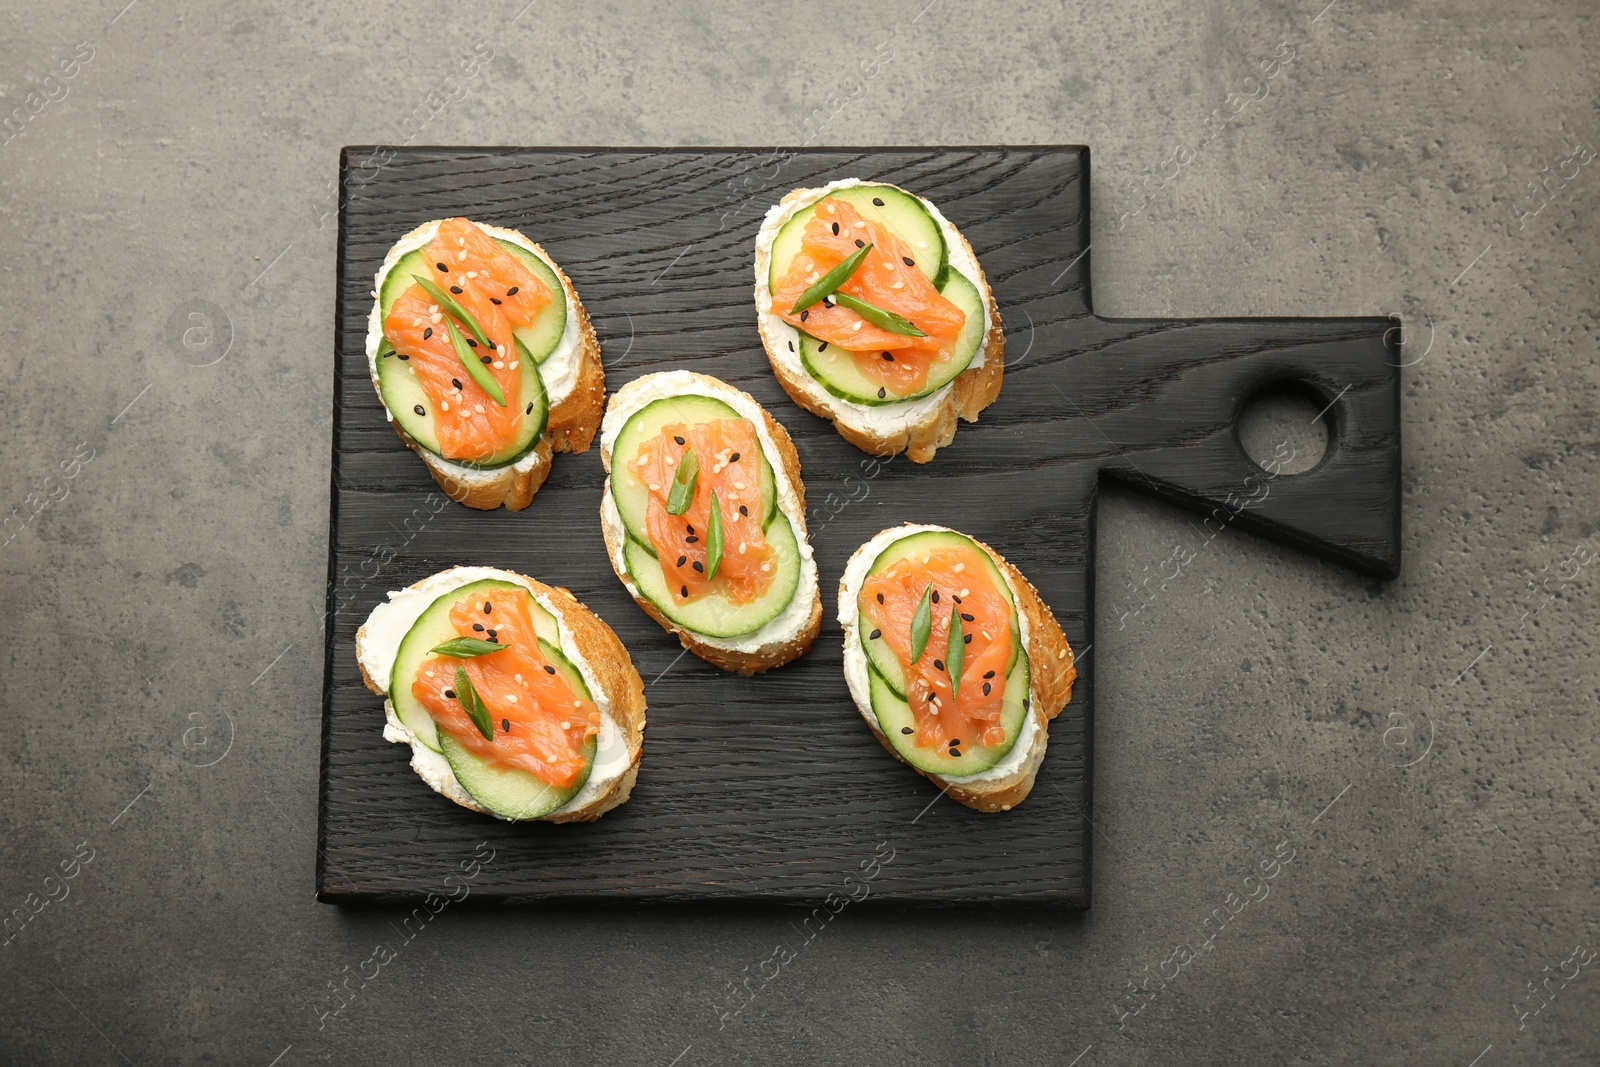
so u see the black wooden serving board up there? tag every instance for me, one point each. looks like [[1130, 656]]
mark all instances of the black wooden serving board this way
[[771, 788]]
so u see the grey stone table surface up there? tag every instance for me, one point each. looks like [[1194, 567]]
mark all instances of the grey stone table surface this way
[[1413, 762]]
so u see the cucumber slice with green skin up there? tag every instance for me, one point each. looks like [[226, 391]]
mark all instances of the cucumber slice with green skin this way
[[540, 339], [432, 628], [510, 792], [836, 369], [903, 213], [403, 394], [629, 490], [895, 719], [714, 615], [885, 664]]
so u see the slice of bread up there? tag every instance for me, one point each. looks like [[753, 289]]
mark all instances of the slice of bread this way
[[591, 645], [773, 645], [919, 428], [576, 388], [1051, 668]]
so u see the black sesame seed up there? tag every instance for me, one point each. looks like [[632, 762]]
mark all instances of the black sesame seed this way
[[743, 510], [935, 597], [402, 355], [682, 560], [427, 333], [836, 228], [549, 669], [791, 346], [986, 687], [488, 607], [909, 261], [529, 409], [734, 458], [456, 382], [471, 343], [907, 730], [877, 201], [507, 724], [493, 347], [456, 289], [874, 635], [485, 359], [419, 409], [956, 599], [880, 598], [451, 693], [478, 626], [860, 243], [492, 634], [701, 567], [442, 267], [1024, 703], [882, 393], [955, 753], [826, 302], [888, 357], [494, 300], [689, 529], [494, 640], [938, 664], [692, 539], [678, 439], [684, 591], [511, 291], [989, 674], [804, 315], [823, 347], [966, 639], [955, 742], [967, 618]]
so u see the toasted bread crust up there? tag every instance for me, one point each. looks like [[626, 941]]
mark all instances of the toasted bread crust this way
[[1051, 675], [571, 425], [773, 654], [613, 671], [970, 392]]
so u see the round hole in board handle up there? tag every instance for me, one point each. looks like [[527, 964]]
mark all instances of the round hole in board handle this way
[[1287, 427]]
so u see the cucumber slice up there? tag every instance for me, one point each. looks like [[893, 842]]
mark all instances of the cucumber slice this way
[[894, 718], [629, 490], [540, 338], [879, 655], [836, 369], [432, 628], [713, 615], [902, 212], [510, 792]]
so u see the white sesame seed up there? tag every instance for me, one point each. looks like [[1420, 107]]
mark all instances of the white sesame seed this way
[[577, 703], [766, 567], [963, 592], [444, 405], [511, 697], [654, 488], [474, 274], [515, 364], [566, 726], [461, 242], [741, 547], [898, 285], [738, 485], [518, 677], [499, 363], [478, 408], [1062, 654], [428, 673], [856, 327], [959, 567], [461, 255]]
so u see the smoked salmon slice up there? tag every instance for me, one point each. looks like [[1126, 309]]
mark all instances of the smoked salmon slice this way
[[503, 295], [540, 723], [960, 585], [729, 455], [887, 278]]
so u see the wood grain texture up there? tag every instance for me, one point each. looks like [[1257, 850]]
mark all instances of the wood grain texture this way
[[771, 788]]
